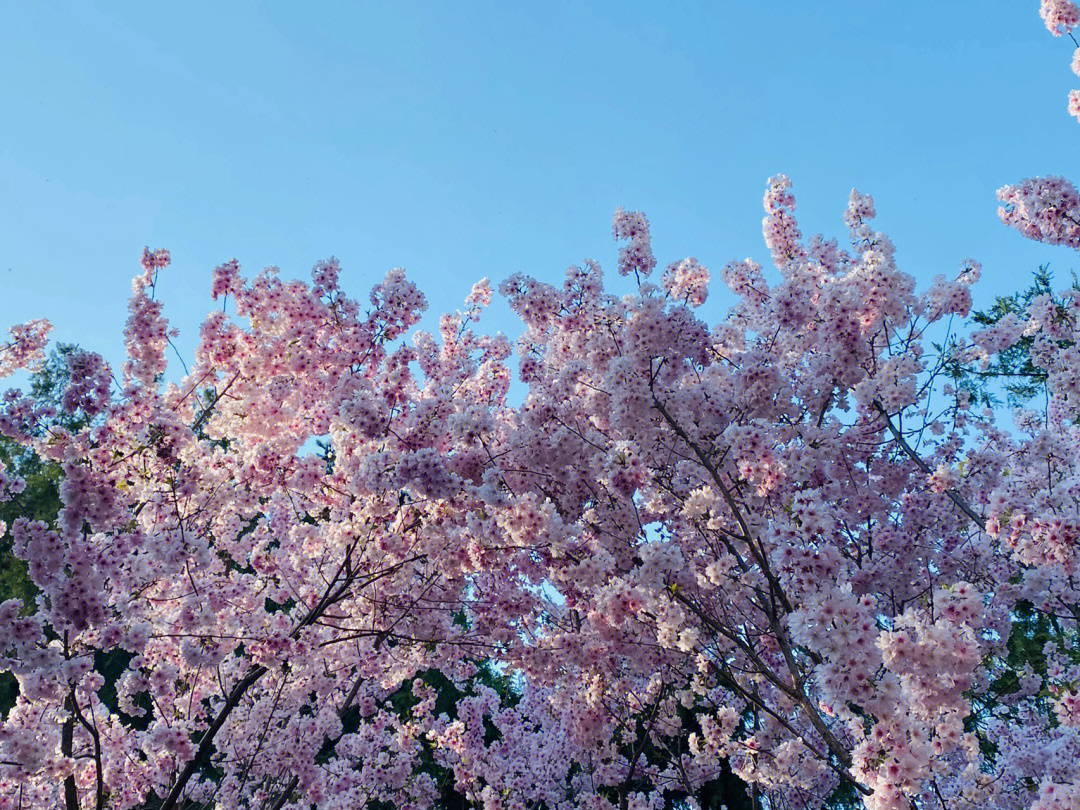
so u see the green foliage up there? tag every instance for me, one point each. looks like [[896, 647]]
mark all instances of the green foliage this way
[[1011, 371], [40, 500]]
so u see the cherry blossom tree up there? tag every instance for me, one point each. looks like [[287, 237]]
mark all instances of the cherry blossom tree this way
[[332, 568], [254, 587]]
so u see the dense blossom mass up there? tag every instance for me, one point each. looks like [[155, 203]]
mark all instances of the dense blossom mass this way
[[785, 545]]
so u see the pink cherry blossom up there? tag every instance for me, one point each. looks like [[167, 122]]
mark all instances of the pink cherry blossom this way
[[1060, 16], [24, 348]]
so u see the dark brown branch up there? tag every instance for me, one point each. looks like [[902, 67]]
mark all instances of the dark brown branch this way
[[92, 729], [796, 690], [67, 744], [67, 738], [624, 796], [207, 742], [200, 420], [330, 597], [952, 494], [288, 791]]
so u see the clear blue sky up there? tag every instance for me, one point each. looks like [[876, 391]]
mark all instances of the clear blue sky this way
[[466, 140]]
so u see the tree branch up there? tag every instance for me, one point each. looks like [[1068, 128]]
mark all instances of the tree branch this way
[[953, 495], [283, 797], [92, 729]]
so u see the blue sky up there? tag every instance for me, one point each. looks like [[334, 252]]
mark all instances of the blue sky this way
[[470, 140]]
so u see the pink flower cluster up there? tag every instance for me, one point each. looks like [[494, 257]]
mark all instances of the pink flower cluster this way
[[687, 281], [88, 389], [24, 349], [1060, 16], [782, 233], [1046, 209], [636, 257]]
